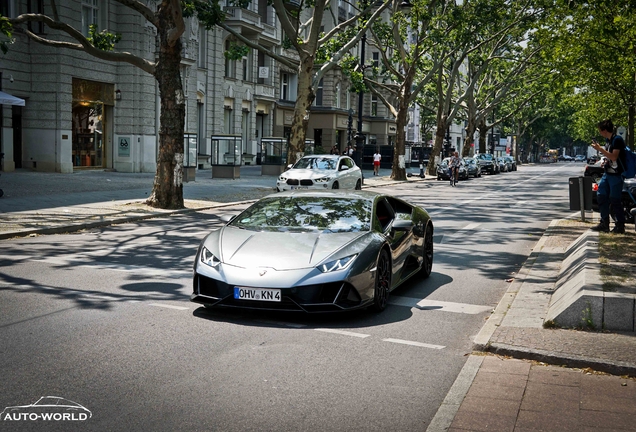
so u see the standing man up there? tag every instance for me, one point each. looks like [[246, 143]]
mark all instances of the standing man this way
[[610, 188], [454, 164], [377, 157]]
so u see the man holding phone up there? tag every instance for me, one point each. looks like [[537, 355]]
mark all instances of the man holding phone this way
[[610, 188]]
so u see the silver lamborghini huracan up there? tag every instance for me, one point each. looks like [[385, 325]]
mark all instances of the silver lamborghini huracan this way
[[312, 251]]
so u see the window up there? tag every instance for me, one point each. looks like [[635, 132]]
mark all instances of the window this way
[[337, 95], [374, 105], [90, 12], [376, 59], [228, 120], [284, 86], [36, 7], [7, 8], [318, 100], [230, 65], [247, 67]]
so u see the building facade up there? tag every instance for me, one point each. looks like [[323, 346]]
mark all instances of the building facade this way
[[82, 112]]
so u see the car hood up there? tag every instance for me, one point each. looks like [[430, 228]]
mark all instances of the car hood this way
[[308, 173], [278, 250]]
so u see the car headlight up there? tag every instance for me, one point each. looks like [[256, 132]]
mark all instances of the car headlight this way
[[323, 180], [208, 258], [281, 178], [339, 264]]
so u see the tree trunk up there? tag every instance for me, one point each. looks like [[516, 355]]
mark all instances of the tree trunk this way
[[469, 142], [399, 166], [482, 136], [302, 107], [439, 142], [167, 190]]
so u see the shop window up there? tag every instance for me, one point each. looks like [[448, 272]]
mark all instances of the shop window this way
[[318, 137], [90, 15]]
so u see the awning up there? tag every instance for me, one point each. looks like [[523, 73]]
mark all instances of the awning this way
[[7, 99]]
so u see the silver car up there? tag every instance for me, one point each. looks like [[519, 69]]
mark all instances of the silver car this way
[[315, 252], [321, 172]]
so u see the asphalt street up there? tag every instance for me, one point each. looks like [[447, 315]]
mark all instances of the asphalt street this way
[[103, 317]]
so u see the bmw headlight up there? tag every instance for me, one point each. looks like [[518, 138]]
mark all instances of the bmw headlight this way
[[282, 178], [339, 264], [323, 180], [208, 258]]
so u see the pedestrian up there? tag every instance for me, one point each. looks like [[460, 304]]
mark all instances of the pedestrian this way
[[610, 188], [454, 164], [334, 150], [350, 152], [377, 157]]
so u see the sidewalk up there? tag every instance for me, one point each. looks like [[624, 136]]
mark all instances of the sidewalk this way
[[502, 387], [49, 203]]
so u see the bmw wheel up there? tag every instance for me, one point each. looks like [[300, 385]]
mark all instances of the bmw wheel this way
[[359, 185], [382, 282], [335, 185], [427, 256]]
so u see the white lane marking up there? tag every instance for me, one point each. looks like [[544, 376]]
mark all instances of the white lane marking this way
[[417, 344], [459, 232], [342, 332], [471, 226], [101, 297], [439, 305], [168, 306]]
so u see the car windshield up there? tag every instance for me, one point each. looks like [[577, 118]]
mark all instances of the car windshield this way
[[485, 156], [307, 213], [316, 163]]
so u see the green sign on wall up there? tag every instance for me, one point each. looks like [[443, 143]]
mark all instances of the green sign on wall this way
[[123, 149]]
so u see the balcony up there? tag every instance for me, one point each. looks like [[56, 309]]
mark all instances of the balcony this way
[[246, 22], [263, 91]]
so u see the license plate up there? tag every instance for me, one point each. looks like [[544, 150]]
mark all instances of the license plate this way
[[299, 187], [260, 294]]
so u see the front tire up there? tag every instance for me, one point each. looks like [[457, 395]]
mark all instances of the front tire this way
[[335, 185], [427, 255], [359, 185], [382, 282]]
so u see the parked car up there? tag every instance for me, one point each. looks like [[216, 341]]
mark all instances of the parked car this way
[[512, 162], [443, 172], [487, 163], [503, 165], [472, 167], [593, 159], [321, 172], [579, 158], [314, 251]]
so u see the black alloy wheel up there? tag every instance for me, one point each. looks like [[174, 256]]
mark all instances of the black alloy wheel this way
[[359, 185], [427, 255], [382, 282], [335, 185]]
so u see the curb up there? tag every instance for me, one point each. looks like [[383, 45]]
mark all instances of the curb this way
[[127, 219]]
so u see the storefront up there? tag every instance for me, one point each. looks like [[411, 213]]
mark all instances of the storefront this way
[[91, 103]]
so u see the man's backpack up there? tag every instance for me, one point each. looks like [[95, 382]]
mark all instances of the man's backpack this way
[[629, 170]]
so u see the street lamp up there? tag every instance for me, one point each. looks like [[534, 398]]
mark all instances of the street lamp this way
[[360, 138]]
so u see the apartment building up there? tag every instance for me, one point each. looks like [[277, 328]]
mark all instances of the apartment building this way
[[81, 112]]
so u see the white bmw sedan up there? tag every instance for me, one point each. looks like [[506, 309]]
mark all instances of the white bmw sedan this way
[[321, 172]]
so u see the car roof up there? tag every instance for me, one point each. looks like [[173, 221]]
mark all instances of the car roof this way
[[325, 156]]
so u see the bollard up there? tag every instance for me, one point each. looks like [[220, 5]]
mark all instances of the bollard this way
[[582, 199]]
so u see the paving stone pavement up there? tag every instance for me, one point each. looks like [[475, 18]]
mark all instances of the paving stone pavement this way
[[494, 391]]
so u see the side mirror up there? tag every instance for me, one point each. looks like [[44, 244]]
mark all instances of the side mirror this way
[[344, 168], [227, 218], [402, 225]]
